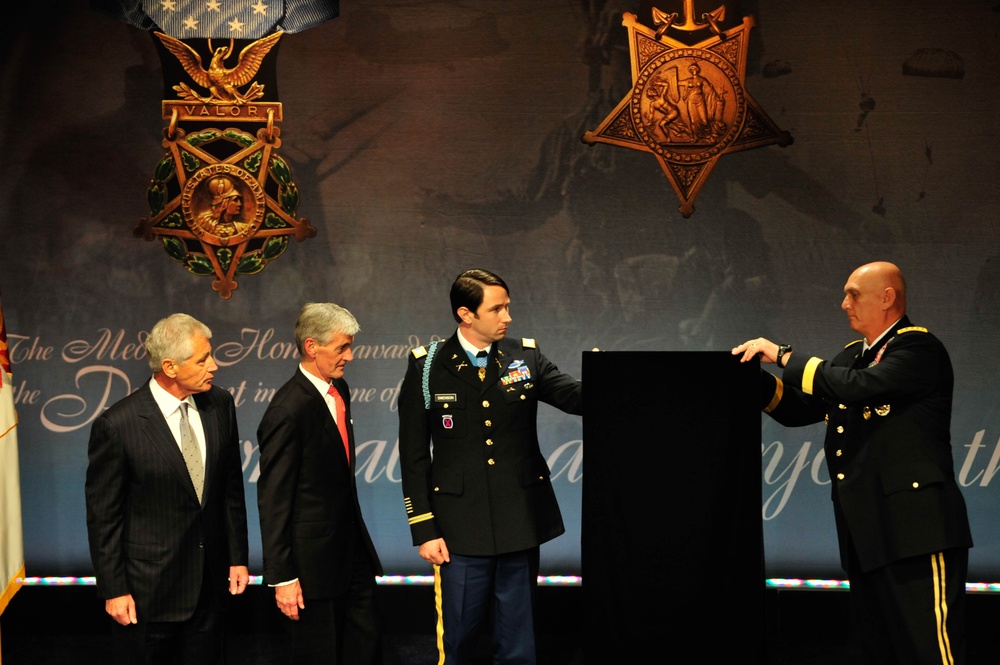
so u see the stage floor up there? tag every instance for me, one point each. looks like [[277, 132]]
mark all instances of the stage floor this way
[[67, 625]]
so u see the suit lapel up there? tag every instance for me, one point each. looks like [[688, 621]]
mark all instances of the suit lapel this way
[[861, 359], [345, 394], [318, 404], [504, 357], [162, 439], [209, 413], [456, 360], [495, 365]]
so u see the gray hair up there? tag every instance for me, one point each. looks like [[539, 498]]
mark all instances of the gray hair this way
[[171, 338], [321, 321]]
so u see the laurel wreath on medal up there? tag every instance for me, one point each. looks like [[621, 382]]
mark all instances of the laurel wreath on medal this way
[[222, 201], [265, 179]]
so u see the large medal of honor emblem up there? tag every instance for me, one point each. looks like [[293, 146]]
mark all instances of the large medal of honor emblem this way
[[688, 105], [222, 201]]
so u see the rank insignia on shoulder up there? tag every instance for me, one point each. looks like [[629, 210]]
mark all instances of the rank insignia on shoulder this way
[[912, 329], [419, 352], [528, 343]]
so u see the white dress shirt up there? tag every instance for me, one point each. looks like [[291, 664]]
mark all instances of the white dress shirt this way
[[170, 407]]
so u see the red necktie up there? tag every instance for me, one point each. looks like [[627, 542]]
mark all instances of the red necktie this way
[[341, 419]]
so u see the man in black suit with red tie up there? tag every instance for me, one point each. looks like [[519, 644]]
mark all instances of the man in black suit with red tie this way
[[318, 555], [166, 516]]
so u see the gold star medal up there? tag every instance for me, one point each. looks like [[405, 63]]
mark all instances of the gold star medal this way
[[688, 105], [222, 201]]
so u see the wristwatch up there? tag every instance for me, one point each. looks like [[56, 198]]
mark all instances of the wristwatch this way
[[782, 350]]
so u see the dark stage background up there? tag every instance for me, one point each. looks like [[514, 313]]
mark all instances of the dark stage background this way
[[429, 136]]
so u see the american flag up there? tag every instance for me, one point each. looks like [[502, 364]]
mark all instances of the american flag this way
[[11, 534], [215, 19]]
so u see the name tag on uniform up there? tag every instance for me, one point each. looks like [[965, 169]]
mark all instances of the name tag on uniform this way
[[445, 397]]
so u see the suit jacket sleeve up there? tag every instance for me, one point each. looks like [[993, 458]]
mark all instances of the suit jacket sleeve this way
[[106, 490], [280, 462], [235, 497]]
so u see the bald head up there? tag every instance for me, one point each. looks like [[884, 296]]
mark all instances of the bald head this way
[[874, 297], [883, 275]]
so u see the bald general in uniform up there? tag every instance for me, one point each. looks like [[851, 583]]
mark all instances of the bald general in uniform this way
[[901, 519]]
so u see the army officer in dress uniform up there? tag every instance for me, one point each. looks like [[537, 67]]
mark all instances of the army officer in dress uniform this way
[[901, 519], [483, 504]]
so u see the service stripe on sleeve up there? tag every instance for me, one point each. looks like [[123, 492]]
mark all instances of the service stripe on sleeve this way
[[416, 519], [779, 390], [808, 374]]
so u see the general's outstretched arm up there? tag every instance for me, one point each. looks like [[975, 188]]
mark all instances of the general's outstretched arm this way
[[787, 404], [912, 364]]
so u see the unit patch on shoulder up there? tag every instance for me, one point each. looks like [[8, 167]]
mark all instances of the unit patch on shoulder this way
[[528, 342], [911, 329]]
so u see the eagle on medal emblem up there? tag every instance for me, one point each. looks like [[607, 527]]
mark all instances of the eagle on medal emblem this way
[[221, 82]]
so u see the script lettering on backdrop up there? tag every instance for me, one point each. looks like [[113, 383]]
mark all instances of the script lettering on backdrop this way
[[785, 465], [99, 380], [375, 458], [99, 361]]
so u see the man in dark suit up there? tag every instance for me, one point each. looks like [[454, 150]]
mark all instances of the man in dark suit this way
[[318, 555], [482, 504], [901, 519], [166, 516]]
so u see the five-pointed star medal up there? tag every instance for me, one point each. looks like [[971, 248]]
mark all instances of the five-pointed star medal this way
[[688, 105]]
